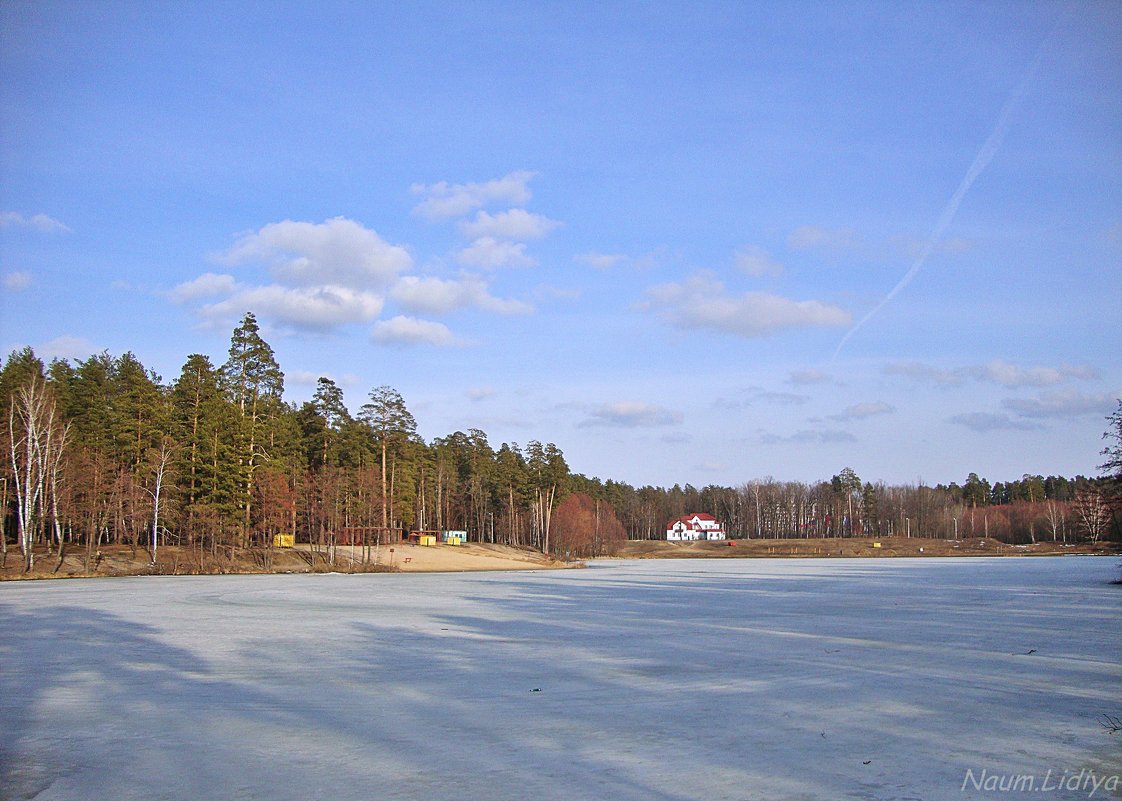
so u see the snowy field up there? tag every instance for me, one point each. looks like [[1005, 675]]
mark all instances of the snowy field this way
[[660, 679]]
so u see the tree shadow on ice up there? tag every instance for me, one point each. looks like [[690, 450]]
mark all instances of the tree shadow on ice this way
[[672, 690], [598, 705], [94, 705], [552, 685], [106, 707], [68, 664]]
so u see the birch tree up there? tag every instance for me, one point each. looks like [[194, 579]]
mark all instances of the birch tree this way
[[1092, 512], [161, 460], [37, 440]]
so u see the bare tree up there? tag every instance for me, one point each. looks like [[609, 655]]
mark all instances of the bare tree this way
[[37, 441], [1056, 514], [755, 486], [1093, 512], [4, 524], [161, 460]]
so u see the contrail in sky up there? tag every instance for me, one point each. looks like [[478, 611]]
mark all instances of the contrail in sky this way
[[981, 161]]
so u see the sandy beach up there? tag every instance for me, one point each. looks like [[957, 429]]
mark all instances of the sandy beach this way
[[125, 560], [449, 558]]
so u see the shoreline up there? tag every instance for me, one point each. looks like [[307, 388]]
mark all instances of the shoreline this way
[[124, 560], [304, 559], [856, 547]]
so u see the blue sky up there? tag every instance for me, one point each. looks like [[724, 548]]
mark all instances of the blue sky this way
[[687, 242]]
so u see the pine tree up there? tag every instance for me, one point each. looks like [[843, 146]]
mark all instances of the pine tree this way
[[392, 425], [547, 469], [91, 405], [139, 411], [202, 421], [19, 368], [254, 383], [511, 480], [328, 404]]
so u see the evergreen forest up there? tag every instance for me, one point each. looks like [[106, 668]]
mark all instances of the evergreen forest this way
[[103, 451]]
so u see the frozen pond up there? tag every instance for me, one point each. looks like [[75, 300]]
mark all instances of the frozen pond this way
[[660, 679]]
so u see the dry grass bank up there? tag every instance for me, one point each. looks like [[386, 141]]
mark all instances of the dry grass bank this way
[[855, 547], [122, 560]]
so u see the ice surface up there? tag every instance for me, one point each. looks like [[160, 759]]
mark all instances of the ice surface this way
[[655, 679]]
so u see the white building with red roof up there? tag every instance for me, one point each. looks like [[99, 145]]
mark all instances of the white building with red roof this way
[[694, 527]]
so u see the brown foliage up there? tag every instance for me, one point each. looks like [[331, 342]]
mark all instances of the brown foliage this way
[[276, 505], [584, 527]]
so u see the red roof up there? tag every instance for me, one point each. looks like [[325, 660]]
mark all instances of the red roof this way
[[688, 519]]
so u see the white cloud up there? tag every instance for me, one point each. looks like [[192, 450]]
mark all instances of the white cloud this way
[[207, 285], [923, 372], [1010, 375], [65, 347], [860, 411], [631, 414], [711, 467], [780, 398], [514, 224], [987, 421], [1058, 405], [1063, 405], [16, 281], [756, 262], [311, 378], [39, 222], [995, 372], [600, 261], [439, 296], [546, 292], [701, 302], [806, 377], [813, 237], [490, 254], [403, 330], [326, 274], [476, 394], [338, 251], [442, 200], [808, 437], [1079, 372], [309, 308], [302, 377], [753, 395]]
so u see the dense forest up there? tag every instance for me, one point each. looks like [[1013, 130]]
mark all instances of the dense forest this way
[[102, 451]]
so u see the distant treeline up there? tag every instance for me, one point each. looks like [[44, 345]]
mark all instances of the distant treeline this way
[[1071, 510], [102, 450]]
